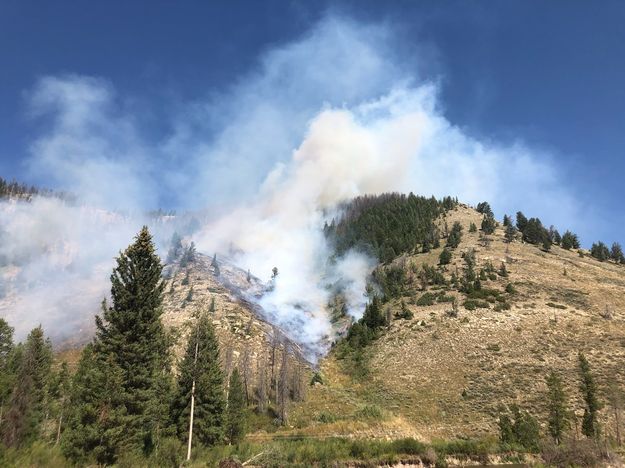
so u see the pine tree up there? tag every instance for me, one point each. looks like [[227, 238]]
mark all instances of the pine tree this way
[[521, 221], [600, 251], [507, 221], [488, 225], [26, 409], [455, 235], [235, 413], [59, 393], [97, 416], [558, 420], [569, 241], [7, 370], [132, 333], [590, 424], [616, 253], [445, 257], [209, 386], [510, 233]]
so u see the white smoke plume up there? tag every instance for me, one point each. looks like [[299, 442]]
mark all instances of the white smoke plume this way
[[331, 116]]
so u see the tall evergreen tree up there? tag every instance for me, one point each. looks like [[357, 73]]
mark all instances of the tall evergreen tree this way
[[235, 413], [132, 333], [97, 418], [558, 420], [590, 423], [569, 241], [7, 371], [521, 221], [26, 409], [616, 253], [209, 386]]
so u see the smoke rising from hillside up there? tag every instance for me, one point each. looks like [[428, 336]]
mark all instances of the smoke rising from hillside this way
[[333, 115]]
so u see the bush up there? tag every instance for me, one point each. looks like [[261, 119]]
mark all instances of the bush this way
[[426, 299], [510, 289], [445, 257], [472, 304], [408, 447]]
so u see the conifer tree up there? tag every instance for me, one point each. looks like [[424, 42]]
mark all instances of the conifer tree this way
[[235, 412], [616, 253], [209, 386], [590, 424], [97, 416], [521, 221], [507, 221], [445, 257], [7, 371], [132, 333], [569, 241], [488, 225], [558, 420], [26, 409]]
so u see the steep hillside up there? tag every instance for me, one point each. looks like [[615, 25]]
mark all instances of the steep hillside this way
[[444, 373]]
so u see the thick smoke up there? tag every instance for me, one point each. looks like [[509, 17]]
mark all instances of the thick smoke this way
[[333, 115]]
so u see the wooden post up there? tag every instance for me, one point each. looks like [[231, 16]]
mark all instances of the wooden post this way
[[192, 400]]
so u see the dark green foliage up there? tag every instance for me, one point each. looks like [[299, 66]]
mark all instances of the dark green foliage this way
[[554, 236], [97, 418], [209, 383], [510, 289], [472, 227], [600, 251], [519, 427], [521, 221], [26, 405], [507, 221], [484, 208], [558, 420], [569, 241], [510, 233], [616, 253], [8, 364], [132, 335], [392, 281], [455, 236], [426, 299], [445, 257], [386, 225], [488, 225], [235, 413], [373, 316], [534, 232], [588, 387], [503, 271]]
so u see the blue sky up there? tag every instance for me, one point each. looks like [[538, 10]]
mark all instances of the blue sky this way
[[548, 74]]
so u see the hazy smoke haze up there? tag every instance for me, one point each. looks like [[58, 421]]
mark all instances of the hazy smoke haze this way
[[312, 124]]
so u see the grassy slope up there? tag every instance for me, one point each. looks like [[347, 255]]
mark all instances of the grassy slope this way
[[439, 377]]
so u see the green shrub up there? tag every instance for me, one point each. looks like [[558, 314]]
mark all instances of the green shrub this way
[[426, 299]]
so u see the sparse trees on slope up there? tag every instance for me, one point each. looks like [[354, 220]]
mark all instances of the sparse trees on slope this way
[[558, 420], [235, 412], [507, 221], [590, 423], [209, 386]]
